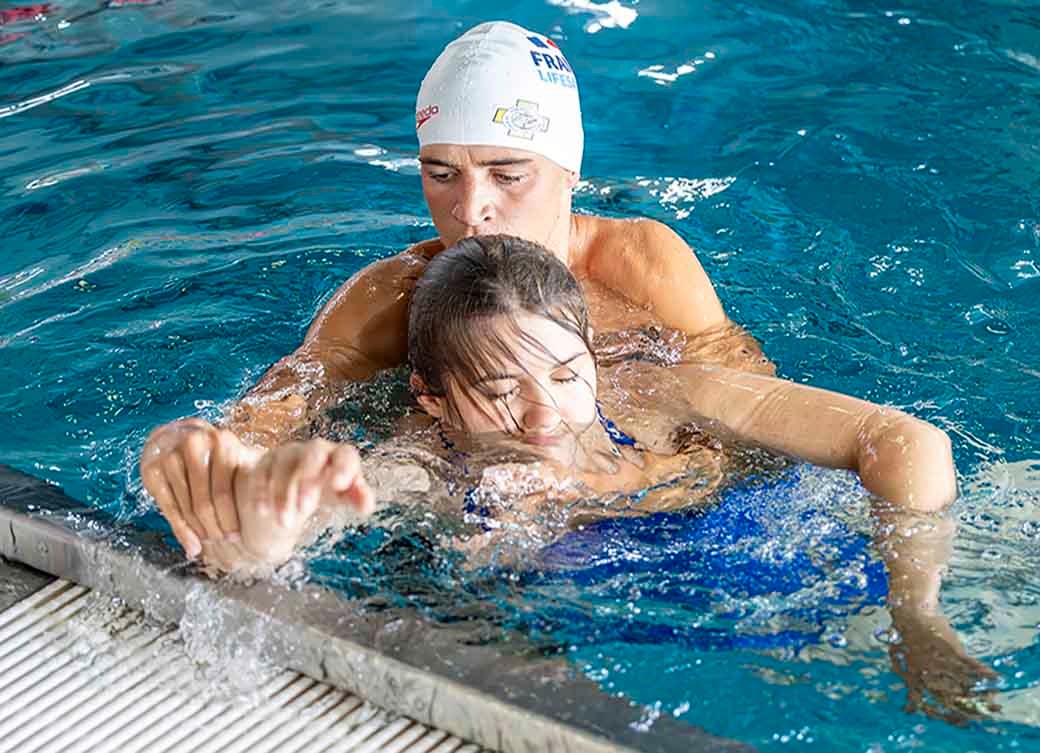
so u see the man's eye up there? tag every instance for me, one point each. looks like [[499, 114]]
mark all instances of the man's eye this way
[[439, 177], [507, 179], [572, 377]]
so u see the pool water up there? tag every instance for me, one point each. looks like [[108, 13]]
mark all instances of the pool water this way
[[182, 185]]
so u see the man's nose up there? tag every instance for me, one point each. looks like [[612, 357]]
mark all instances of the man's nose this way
[[473, 206]]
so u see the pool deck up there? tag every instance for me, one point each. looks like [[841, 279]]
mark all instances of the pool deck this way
[[493, 689], [18, 581], [81, 672]]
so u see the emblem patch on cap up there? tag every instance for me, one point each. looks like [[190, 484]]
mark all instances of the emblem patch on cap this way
[[522, 119]]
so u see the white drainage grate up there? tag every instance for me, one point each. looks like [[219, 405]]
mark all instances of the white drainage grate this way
[[76, 679]]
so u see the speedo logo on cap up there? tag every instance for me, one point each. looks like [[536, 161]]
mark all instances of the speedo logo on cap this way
[[552, 67], [424, 114]]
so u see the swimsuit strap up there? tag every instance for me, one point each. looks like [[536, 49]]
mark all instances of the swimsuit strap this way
[[457, 455], [471, 504], [617, 436]]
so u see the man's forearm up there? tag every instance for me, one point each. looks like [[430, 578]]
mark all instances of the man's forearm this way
[[916, 550], [294, 392], [729, 345]]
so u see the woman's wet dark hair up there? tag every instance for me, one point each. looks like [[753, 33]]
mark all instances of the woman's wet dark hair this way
[[473, 282]]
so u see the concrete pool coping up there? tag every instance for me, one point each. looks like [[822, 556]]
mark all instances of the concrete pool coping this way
[[18, 582], [492, 689]]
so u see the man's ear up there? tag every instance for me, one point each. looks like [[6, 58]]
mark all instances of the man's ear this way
[[433, 405]]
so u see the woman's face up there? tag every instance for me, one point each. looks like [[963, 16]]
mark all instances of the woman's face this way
[[542, 394]]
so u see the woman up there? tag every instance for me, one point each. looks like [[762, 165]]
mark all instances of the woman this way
[[504, 367], [501, 352]]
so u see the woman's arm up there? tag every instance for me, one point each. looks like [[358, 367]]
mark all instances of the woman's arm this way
[[280, 498], [898, 457]]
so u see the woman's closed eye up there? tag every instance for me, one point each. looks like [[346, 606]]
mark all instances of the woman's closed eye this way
[[502, 394], [565, 377]]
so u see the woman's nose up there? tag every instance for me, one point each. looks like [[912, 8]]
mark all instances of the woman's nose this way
[[539, 417]]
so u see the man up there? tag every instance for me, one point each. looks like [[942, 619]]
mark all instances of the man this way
[[498, 120]]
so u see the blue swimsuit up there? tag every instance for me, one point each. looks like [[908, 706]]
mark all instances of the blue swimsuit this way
[[693, 558], [766, 546]]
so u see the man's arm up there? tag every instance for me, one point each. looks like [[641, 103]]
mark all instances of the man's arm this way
[[648, 263], [360, 331], [942, 680], [188, 466]]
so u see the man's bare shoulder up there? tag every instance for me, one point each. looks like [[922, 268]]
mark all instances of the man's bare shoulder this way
[[637, 250], [626, 243], [393, 274], [652, 266], [369, 311], [424, 250]]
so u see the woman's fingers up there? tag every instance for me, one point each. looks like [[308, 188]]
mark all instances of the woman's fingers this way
[[344, 467], [259, 495], [295, 477], [308, 478], [347, 481], [291, 482], [224, 460], [363, 496]]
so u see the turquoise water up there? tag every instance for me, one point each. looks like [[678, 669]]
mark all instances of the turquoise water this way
[[181, 186]]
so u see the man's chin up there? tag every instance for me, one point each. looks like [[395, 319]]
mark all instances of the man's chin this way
[[450, 238]]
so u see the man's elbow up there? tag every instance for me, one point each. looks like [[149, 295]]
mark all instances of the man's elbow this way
[[908, 461]]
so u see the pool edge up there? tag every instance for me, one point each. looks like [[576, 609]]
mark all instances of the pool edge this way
[[395, 659]]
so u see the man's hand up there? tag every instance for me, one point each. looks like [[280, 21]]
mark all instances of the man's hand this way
[[942, 680], [189, 466]]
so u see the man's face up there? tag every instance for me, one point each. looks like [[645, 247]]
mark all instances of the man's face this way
[[484, 190]]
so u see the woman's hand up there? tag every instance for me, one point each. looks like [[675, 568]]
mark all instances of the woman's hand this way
[[279, 496], [188, 466]]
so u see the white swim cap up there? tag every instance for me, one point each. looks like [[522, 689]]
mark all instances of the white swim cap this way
[[502, 85]]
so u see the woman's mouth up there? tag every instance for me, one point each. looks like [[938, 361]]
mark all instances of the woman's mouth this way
[[542, 440]]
